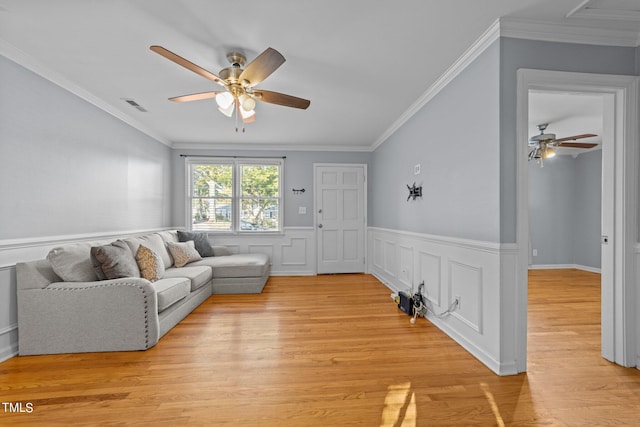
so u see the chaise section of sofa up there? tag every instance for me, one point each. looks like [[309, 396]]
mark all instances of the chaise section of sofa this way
[[80, 313]]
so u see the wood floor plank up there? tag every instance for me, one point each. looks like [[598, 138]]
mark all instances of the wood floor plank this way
[[335, 351]]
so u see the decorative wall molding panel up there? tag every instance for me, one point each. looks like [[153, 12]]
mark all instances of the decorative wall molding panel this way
[[450, 268], [9, 314], [292, 253]]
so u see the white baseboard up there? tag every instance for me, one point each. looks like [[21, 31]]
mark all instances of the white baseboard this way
[[563, 266]]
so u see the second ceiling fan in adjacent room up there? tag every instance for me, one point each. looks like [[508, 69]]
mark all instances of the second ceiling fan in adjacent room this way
[[543, 146]]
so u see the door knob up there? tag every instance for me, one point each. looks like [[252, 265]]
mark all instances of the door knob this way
[[319, 225]]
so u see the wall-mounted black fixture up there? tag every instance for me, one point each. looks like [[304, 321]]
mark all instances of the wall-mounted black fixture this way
[[300, 191], [414, 192]]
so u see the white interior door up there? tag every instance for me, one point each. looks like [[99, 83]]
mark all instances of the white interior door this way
[[607, 255], [340, 218]]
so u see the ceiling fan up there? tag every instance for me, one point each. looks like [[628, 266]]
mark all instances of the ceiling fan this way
[[543, 146], [239, 94]]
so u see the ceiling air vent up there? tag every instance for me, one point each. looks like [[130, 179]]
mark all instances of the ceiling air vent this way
[[135, 104]]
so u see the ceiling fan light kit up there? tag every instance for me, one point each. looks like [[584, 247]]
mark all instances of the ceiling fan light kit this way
[[238, 96], [543, 146]]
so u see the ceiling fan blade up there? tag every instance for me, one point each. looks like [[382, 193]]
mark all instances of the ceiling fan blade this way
[[262, 67], [281, 99], [194, 97], [576, 145], [574, 137], [187, 64]]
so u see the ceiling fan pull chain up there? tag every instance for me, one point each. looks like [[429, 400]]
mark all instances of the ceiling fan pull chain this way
[[235, 111]]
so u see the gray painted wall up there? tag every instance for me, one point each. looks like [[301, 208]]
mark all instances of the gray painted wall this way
[[455, 139], [551, 213], [67, 167], [298, 173], [519, 53], [565, 210]]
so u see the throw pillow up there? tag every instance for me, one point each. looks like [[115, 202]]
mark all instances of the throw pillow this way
[[114, 261], [183, 252], [200, 240], [150, 264], [72, 262]]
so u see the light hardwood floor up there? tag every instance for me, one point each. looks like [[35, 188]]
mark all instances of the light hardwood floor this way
[[335, 351]]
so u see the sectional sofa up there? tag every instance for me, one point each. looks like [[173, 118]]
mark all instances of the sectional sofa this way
[[125, 294]]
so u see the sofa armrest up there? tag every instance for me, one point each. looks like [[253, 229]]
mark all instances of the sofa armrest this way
[[109, 315]]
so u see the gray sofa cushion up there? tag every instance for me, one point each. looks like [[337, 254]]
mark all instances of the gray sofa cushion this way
[[237, 265], [168, 236], [198, 275], [200, 240], [153, 242], [170, 291], [72, 262], [114, 261]]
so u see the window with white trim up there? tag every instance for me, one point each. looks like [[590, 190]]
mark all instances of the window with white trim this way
[[234, 195]]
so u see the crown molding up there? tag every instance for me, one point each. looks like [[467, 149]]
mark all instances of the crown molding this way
[[484, 41], [27, 61], [568, 32], [270, 147], [521, 29]]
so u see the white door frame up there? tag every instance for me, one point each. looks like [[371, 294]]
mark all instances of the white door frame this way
[[315, 208], [619, 324]]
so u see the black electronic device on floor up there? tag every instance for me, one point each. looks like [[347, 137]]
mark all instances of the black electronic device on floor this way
[[406, 303]]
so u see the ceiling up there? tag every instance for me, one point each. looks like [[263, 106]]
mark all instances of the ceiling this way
[[364, 65]]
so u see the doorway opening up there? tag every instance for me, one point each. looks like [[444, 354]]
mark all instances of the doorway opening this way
[[565, 215], [619, 205]]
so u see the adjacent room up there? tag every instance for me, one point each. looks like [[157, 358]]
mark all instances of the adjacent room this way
[[319, 213]]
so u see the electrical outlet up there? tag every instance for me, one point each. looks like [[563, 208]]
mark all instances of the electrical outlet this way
[[535, 252], [457, 300]]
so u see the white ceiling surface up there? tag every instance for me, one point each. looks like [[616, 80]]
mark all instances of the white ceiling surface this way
[[362, 64]]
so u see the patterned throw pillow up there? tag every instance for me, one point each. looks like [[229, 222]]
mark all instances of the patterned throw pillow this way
[[150, 264], [183, 253]]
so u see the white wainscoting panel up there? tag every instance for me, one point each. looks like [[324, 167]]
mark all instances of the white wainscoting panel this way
[[292, 253], [429, 266], [8, 313], [449, 267], [405, 254], [466, 280]]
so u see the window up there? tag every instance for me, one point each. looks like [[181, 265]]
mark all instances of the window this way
[[235, 195]]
